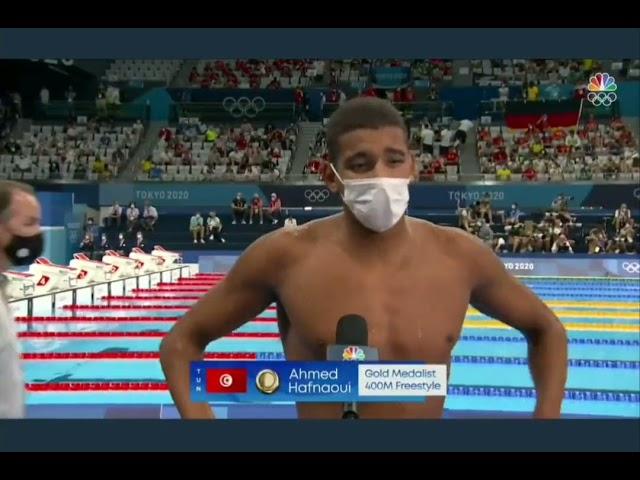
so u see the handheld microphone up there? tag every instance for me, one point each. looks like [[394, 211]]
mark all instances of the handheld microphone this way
[[352, 339]]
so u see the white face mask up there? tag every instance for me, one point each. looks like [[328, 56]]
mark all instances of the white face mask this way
[[377, 203]]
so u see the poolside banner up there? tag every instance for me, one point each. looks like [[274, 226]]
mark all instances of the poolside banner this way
[[614, 266], [335, 382], [184, 195], [175, 194], [541, 265]]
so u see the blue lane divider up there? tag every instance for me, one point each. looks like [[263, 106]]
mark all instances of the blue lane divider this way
[[524, 361], [546, 288], [523, 392], [484, 360], [574, 341], [565, 296]]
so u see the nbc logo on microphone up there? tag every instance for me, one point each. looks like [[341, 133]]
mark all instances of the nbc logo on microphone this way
[[353, 354]]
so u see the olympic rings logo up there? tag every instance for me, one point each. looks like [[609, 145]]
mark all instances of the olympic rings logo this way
[[602, 98], [317, 196], [243, 107], [631, 267], [636, 193]]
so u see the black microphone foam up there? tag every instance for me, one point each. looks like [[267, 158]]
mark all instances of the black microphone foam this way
[[352, 330]]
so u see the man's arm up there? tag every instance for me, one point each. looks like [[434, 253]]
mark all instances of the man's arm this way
[[498, 294], [246, 291]]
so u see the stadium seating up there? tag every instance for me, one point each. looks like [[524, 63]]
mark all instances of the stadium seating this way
[[215, 73], [196, 159], [56, 152], [150, 70], [606, 152], [493, 72]]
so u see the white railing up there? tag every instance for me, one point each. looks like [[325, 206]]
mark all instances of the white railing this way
[[47, 304]]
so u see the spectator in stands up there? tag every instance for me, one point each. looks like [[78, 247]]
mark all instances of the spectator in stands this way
[[485, 233], [628, 232], [561, 245], [54, 168], [118, 156], [503, 173], [103, 246], [147, 166], [12, 147], [149, 216], [445, 141], [460, 136], [514, 215], [214, 227], [140, 242], [427, 136], [573, 140], [596, 241], [23, 163], [533, 92], [99, 166], [187, 158], [537, 146], [529, 173], [621, 216], [115, 215], [121, 244], [133, 216], [503, 92], [105, 140], [87, 245], [267, 166], [484, 210], [239, 209], [560, 203], [274, 212], [289, 221], [44, 96], [70, 94], [464, 220], [91, 229], [256, 209], [196, 227]]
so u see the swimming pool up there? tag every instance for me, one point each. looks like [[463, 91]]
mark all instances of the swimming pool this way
[[105, 356]]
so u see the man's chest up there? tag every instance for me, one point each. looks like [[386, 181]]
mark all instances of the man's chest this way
[[413, 311]]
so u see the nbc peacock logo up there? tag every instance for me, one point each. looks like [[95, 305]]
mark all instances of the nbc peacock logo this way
[[353, 354], [602, 88]]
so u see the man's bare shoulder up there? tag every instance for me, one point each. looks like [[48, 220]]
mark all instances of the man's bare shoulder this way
[[292, 241]]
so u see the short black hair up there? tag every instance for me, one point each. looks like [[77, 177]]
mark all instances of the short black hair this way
[[361, 113]]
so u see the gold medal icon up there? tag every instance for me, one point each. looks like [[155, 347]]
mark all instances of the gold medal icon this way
[[267, 381]]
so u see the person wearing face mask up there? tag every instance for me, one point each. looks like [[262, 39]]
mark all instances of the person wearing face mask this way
[[133, 215], [410, 279], [140, 243], [21, 243], [121, 245]]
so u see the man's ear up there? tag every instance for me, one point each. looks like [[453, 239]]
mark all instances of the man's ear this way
[[329, 176]]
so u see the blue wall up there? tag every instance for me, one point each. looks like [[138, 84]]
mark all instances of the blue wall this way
[[629, 98], [184, 196], [56, 207]]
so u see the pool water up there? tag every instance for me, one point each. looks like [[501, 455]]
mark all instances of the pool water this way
[[105, 357]]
